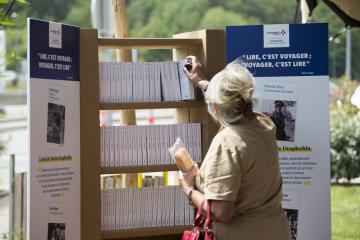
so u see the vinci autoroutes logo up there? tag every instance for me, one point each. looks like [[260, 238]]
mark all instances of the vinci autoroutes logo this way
[[277, 33]]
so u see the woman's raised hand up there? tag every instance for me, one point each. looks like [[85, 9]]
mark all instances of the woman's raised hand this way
[[196, 75]]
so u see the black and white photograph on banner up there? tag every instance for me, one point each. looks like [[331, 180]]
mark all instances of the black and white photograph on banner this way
[[56, 231], [56, 124], [282, 113], [292, 215]]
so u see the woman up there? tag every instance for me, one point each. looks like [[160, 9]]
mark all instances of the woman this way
[[240, 172]]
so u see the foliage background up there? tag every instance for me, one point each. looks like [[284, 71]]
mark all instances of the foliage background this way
[[162, 18]]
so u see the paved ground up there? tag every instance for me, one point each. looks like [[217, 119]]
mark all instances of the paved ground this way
[[4, 215]]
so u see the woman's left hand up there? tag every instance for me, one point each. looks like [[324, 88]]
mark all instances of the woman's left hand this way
[[187, 181]]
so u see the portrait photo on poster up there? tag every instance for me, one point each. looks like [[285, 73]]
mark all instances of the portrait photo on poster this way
[[283, 114], [55, 133], [56, 231], [292, 216]]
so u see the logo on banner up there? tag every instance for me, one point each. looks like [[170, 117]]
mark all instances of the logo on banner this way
[[55, 35], [276, 36]]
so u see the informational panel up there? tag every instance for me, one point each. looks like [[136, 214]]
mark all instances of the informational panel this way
[[290, 65], [54, 131]]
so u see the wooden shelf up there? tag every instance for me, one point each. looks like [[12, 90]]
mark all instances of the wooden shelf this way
[[209, 46], [152, 105], [137, 169], [149, 43], [144, 232]]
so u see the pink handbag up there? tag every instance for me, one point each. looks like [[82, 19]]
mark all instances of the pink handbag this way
[[202, 227]]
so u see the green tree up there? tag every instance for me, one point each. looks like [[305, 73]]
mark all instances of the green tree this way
[[337, 47], [211, 19], [345, 132], [79, 15], [268, 12]]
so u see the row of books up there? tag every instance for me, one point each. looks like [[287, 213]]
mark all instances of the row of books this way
[[130, 180], [148, 144], [144, 82], [131, 208]]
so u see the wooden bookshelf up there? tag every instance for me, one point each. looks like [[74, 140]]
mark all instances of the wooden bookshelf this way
[[149, 43], [137, 169], [152, 105], [209, 46], [144, 232]]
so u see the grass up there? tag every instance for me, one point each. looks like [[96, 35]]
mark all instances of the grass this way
[[345, 212]]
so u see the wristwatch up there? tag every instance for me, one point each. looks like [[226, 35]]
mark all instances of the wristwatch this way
[[190, 196]]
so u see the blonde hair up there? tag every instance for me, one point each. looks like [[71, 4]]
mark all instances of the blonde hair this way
[[231, 90]]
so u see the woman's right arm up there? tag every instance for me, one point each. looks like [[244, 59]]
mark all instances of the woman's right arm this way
[[222, 211]]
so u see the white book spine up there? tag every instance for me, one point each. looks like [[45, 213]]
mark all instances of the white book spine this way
[[141, 82], [175, 76], [151, 79], [152, 207], [169, 143], [130, 82], [121, 146], [153, 144], [107, 147], [107, 82], [107, 206], [103, 89], [113, 195], [176, 206], [101, 82], [130, 209], [125, 145], [112, 147], [118, 209], [172, 206], [198, 140], [125, 80], [186, 209], [118, 82], [112, 82], [181, 206], [132, 156], [122, 83], [164, 207], [102, 209], [157, 80], [148, 145], [143, 135], [191, 210], [102, 164], [146, 83], [164, 81], [138, 208], [148, 206], [168, 200], [118, 149]]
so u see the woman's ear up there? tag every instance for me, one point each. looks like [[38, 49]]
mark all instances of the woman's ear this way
[[215, 110]]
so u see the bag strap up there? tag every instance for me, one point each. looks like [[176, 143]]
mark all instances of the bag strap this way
[[199, 219], [208, 222]]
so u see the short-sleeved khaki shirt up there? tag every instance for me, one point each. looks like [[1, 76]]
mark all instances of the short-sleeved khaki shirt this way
[[242, 166]]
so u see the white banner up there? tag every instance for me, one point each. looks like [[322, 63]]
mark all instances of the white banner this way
[[54, 131], [290, 65]]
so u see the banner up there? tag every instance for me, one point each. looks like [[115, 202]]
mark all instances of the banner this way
[[290, 66], [54, 131]]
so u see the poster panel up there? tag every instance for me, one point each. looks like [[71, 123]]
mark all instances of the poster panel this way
[[290, 66], [54, 131]]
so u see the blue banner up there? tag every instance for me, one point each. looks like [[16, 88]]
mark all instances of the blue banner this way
[[280, 50], [54, 50]]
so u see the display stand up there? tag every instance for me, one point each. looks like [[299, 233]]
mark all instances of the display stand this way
[[209, 46]]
